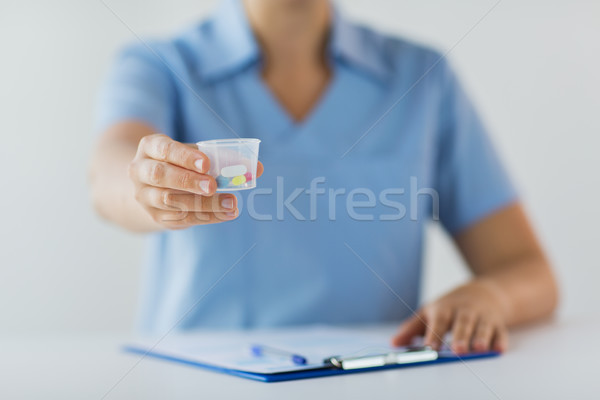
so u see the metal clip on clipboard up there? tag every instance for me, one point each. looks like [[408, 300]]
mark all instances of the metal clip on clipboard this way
[[408, 355]]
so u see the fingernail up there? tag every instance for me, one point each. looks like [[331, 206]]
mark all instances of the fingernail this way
[[479, 344], [431, 344], [227, 202], [204, 186], [460, 346], [198, 164], [230, 214]]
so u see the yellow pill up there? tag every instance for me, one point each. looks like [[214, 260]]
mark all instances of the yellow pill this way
[[238, 180]]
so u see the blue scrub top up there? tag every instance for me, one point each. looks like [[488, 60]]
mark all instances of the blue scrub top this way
[[393, 136]]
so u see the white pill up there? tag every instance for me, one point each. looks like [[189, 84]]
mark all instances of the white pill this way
[[233, 170]]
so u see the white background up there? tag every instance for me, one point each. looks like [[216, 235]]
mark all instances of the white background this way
[[531, 66]]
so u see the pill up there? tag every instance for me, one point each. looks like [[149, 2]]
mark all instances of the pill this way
[[233, 170], [222, 181], [238, 180], [248, 176]]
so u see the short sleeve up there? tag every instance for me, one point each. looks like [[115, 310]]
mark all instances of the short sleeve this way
[[471, 180], [139, 87]]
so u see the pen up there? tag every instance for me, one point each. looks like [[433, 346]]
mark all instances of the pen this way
[[260, 350]]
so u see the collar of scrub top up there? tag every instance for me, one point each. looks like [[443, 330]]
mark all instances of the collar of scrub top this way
[[231, 45]]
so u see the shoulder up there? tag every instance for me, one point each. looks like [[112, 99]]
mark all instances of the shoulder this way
[[180, 53], [401, 56]]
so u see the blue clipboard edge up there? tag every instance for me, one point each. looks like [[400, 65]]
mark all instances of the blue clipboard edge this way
[[303, 374]]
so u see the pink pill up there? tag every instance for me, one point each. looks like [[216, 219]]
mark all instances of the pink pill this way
[[248, 176]]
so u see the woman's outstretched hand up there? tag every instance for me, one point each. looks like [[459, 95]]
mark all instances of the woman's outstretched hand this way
[[473, 313], [171, 184]]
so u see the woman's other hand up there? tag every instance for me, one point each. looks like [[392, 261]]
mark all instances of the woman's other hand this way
[[472, 313]]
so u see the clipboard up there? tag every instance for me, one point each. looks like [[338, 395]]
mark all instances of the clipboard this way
[[229, 353]]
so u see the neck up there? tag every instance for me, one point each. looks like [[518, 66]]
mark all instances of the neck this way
[[291, 33]]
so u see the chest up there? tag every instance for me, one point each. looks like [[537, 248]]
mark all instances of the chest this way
[[297, 92]]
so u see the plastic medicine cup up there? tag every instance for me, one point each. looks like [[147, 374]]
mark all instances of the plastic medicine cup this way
[[232, 162]]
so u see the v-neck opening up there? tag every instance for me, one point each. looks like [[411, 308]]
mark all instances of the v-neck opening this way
[[314, 111]]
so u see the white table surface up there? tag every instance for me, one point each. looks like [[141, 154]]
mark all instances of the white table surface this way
[[553, 360]]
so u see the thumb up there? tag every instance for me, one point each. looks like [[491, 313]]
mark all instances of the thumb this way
[[414, 326], [259, 169]]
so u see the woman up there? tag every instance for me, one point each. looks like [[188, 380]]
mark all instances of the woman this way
[[347, 116]]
